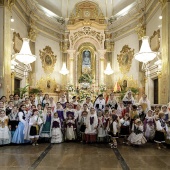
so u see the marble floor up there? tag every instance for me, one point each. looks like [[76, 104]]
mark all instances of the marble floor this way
[[77, 156]]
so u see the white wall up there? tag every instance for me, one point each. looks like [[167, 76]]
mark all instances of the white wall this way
[[40, 44], [133, 42]]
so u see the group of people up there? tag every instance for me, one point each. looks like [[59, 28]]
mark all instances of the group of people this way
[[35, 119]]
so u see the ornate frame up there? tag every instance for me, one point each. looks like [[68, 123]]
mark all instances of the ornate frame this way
[[44, 85], [48, 59], [155, 40], [125, 59], [17, 42]]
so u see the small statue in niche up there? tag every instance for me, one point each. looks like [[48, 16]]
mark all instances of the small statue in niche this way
[[124, 85], [48, 84]]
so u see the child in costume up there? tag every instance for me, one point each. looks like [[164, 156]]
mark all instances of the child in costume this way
[[57, 136], [137, 137], [34, 123]]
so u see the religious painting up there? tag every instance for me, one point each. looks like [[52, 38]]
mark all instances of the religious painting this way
[[125, 59], [48, 59], [86, 61]]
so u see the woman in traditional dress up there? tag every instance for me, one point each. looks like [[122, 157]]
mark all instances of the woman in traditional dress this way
[[128, 98], [112, 102], [99, 103], [145, 103]]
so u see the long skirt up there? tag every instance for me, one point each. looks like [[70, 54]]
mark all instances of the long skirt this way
[[101, 132], [46, 130], [70, 133], [159, 137], [137, 139], [4, 136], [34, 131], [19, 134], [150, 132], [124, 131], [57, 136], [91, 137]]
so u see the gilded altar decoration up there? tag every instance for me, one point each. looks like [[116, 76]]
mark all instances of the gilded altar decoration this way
[[47, 84], [48, 59], [155, 41], [140, 30], [10, 4], [125, 59], [32, 32], [86, 11], [17, 42], [86, 31]]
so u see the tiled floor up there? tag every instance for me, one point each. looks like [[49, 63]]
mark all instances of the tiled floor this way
[[77, 156]]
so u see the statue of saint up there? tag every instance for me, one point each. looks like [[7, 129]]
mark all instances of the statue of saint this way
[[86, 59]]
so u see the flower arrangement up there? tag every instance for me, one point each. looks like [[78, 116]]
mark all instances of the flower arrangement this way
[[70, 88], [86, 78], [102, 88]]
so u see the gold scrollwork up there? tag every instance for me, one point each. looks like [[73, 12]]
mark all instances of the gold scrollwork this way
[[125, 58], [47, 84], [17, 42], [86, 31], [48, 59]]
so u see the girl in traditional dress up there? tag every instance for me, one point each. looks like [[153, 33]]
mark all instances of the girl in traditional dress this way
[[125, 127], [133, 115], [9, 107], [45, 99], [112, 101], [56, 133], [101, 131], [63, 101], [107, 125], [137, 137], [82, 122], [70, 128], [34, 123], [88, 102], [161, 129], [91, 126], [149, 126], [167, 140], [74, 102], [13, 120], [165, 110], [20, 131], [27, 104], [114, 129], [99, 103], [141, 113], [46, 128], [5, 137]]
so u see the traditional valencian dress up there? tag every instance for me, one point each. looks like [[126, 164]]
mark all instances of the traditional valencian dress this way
[[56, 133], [46, 128], [99, 104], [149, 127], [91, 128], [101, 129], [137, 137], [19, 133], [35, 129], [5, 137], [13, 122], [70, 129], [159, 135]]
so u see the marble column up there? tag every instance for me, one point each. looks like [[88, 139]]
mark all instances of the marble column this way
[[101, 66], [164, 92], [71, 66], [5, 51]]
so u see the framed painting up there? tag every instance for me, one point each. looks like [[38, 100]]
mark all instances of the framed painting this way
[[125, 58]]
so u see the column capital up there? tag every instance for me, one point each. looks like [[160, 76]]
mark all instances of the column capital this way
[[101, 53]]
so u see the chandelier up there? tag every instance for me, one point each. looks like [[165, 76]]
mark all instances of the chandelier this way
[[64, 69], [145, 54], [25, 56], [108, 70]]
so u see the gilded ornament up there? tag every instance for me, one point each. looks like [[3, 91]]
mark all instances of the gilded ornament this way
[[47, 84], [48, 59], [125, 58], [140, 30]]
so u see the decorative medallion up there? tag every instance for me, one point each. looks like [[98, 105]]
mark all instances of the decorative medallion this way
[[125, 59], [48, 59]]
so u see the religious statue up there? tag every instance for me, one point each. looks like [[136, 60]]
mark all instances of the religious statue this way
[[86, 58]]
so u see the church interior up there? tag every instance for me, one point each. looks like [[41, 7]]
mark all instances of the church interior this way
[[85, 48]]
